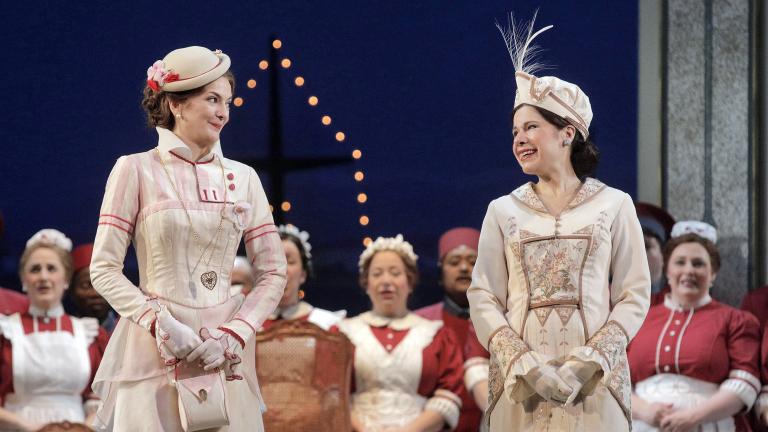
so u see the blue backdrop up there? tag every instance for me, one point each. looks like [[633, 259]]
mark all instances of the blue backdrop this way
[[423, 88]]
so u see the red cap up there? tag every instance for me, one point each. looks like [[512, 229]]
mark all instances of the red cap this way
[[81, 256], [455, 237], [655, 219]]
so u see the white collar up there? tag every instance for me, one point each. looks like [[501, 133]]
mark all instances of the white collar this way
[[298, 310], [671, 304], [168, 141], [406, 322], [53, 312]]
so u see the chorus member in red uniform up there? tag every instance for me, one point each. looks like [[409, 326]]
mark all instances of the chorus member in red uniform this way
[[408, 371], [298, 255], [47, 358], [756, 303], [694, 361], [657, 226], [83, 298], [185, 208], [457, 252]]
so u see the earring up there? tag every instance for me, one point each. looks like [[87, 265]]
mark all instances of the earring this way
[[178, 116], [23, 288], [301, 294], [566, 143]]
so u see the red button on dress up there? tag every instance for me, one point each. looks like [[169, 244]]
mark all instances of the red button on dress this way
[[230, 176], [231, 186]]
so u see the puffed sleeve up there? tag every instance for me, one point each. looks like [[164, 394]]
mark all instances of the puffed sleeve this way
[[476, 360], [511, 358], [117, 222], [743, 352], [6, 365], [445, 399], [762, 400], [630, 291], [265, 252]]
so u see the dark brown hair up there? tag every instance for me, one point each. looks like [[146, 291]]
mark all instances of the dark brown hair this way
[[584, 153], [64, 256], [714, 255], [411, 269], [155, 104]]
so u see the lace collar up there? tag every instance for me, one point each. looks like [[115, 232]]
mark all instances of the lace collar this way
[[677, 307], [54, 312], [527, 195]]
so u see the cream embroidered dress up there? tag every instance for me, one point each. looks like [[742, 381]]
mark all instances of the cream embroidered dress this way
[[225, 204], [550, 288]]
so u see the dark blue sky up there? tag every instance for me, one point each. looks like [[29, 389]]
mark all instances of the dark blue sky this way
[[423, 88]]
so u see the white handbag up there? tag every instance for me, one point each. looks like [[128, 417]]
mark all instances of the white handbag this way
[[202, 399]]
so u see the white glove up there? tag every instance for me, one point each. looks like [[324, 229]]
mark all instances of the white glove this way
[[574, 374], [547, 383], [218, 348], [174, 339]]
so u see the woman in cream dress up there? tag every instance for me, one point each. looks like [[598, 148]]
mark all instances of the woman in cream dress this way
[[561, 282]]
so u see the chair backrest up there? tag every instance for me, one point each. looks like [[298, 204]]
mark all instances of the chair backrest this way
[[65, 426], [305, 376]]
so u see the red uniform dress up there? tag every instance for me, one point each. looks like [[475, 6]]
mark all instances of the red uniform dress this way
[[47, 364], [756, 302], [12, 302], [305, 312], [402, 367], [474, 357], [685, 356]]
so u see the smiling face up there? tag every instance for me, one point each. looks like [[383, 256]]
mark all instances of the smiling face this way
[[201, 117], [388, 285], [690, 273], [538, 144], [44, 277]]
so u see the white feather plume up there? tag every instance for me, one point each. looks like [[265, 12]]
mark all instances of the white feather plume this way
[[518, 38]]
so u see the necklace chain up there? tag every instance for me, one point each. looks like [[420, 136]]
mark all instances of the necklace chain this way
[[198, 240]]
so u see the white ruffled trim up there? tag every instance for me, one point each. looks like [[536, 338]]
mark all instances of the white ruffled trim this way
[[90, 327], [475, 371], [744, 385], [91, 406], [515, 387], [447, 404]]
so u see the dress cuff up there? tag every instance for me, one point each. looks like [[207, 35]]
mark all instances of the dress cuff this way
[[447, 404], [744, 385], [475, 371], [239, 329], [90, 406], [515, 387]]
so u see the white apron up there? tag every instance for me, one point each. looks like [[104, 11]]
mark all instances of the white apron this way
[[682, 392], [387, 383], [50, 371]]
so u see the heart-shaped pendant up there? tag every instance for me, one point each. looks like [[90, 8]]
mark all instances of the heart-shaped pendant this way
[[209, 279]]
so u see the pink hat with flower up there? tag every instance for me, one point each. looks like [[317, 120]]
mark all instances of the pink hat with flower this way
[[186, 69]]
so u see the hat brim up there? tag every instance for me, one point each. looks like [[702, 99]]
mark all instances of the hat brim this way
[[200, 80]]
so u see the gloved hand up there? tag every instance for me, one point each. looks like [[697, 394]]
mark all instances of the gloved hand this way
[[218, 348], [575, 374], [547, 383], [174, 339]]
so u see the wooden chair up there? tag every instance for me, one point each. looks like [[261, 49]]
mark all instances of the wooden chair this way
[[305, 375], [65, 426]]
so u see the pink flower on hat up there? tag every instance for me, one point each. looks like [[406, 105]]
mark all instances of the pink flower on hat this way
[[157, 75]]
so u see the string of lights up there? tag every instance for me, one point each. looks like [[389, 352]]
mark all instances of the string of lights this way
[[327, 121]]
